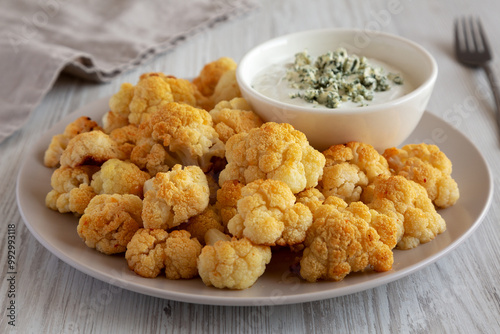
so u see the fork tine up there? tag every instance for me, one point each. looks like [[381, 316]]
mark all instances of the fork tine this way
[[475, 40], [457, 37], [465, 34], [484, 41]]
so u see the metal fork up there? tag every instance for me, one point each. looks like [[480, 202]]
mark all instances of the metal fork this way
[[472, 49]]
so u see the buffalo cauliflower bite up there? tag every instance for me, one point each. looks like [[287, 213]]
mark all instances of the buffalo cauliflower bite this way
[[126, 137], [198, 225], [232, 117], [152, 250], [211, 73], [341, 241], [227, 88], [227, 200], [173, 197], [181, 255], [119, 177], [145, 253], [268, 215], [71, 190], [409, 202], [273, 151], [231, 263], [110, 221], [90, 148], [429, 167], [60, 141], [310, 197], [177, 134], [150, 93], [350, 168]]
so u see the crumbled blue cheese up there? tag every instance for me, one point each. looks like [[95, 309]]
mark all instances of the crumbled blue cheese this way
[[337, 77]]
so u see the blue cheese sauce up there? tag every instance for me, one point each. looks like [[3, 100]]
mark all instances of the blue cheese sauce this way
[[332, 80]]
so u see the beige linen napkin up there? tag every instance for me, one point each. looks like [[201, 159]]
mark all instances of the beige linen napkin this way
[[94, 39]]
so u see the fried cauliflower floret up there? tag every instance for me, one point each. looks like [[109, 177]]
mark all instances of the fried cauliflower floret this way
[[268, 215], [110, 221], [150, 93], [90, 148], [173, 197], [181, 254], [429, 167], [341, 241], [232, 117], [410, 203], [126, 137], [227, 88], [273, 151], [310, 197], [145, 253], [350, 168], [232, 263], [177, 134], [227, 200], [183, 91], [152, 250], [119, 177], [211, 73], [198, 225], [344, 180], [71, 190], [60, 141]]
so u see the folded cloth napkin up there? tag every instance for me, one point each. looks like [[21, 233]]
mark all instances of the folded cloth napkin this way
[[94, 39]]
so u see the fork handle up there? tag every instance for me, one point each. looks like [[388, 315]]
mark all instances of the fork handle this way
[[495, 87]]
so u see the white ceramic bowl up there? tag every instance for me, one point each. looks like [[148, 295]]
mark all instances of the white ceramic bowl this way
[[381, 125]]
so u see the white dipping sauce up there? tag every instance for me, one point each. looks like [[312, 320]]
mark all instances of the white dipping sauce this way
[[272, 83]]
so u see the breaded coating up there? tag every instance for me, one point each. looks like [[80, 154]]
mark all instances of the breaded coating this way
[[173, 197], [350, 168], [344, 180], [273, 151], [145, 253], [59, 142], [119, 177], [227, 88], [112, 121], [119, 110], [341, 241], [310, 197], [428, 166], [177, 134], [183, 90], [198, 225], [90, 148], [232, 264], [268, 215], [181, 255], [110, 222], [150, 93], [227, 199], [409, 202], [232, 117], [152, 250], [71, 191], [126, 137], [211, 73]]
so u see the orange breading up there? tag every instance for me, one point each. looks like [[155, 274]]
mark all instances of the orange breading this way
[[227, 198], [209, 76], [232, 117], [198, 225], [59, 142], [428, 166], [110, 221], [341, 241], [90, 148]]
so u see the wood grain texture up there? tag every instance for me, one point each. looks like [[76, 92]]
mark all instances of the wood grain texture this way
[[460, 293]]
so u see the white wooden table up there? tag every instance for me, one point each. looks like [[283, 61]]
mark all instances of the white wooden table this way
[[460, 293]]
